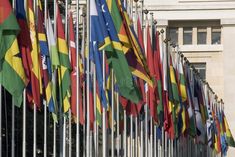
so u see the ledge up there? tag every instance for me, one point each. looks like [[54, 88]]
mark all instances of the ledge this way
[[201, 48]]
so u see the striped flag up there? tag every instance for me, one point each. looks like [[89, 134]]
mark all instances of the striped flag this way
[[64, 68], [36, 76], [53, 52], [45, 58], [12, 75]]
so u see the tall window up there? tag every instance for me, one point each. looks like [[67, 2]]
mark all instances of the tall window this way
[[216, 35], [201, 35], [173, 31], [187, 35], [201, 68]]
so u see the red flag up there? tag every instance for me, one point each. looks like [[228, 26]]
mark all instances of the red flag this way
[[152, 101]]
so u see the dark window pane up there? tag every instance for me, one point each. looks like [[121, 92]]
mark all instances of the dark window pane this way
[[174, 35], [216, 36], [187, 36], [201, 68], [201, 35]]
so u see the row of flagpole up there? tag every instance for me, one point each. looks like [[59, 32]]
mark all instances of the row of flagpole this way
[[148, 146]]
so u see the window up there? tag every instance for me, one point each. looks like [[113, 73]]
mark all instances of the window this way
[[187, 35], [201, 68], [174, 34], [201, 35], [216, 35]]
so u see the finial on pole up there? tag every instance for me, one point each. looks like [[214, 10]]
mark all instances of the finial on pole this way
[[146, 11]]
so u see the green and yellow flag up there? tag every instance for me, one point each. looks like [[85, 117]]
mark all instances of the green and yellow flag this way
[[12, 75], [63, 70]]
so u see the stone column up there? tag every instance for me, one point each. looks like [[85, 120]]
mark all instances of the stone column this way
[[228, 35]]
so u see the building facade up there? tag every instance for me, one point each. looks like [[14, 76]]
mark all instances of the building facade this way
[[204, 30]]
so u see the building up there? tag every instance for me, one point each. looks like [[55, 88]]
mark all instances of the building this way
[[204, 31]]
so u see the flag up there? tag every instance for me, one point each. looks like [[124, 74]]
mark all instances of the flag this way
[[64, 68], [25, 45], [134, 53], [35, 74], [115, 55], [12, 75], [45, 58], [229, 136], [191, 113], [157, 76], [53, 53], [152, 92]]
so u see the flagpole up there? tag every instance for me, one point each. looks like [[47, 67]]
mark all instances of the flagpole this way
[[54, 123], [112, 103], [131, 138], [84, 89], [13, 115], [0, 120], [34, 105], [146, 105], [13, 129], [104, 112], [124, 136], [64, 118], [118, 135], [78, 83], [24, 124], [88, 81], [141, 138], [95, 102], [155, 148], [45, 106], [136, 137]]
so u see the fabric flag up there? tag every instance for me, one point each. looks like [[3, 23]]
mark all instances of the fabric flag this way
[[25, 45], [115, 55], [191, 115], [140, 82], [64, 68], [35, 78], [135, 55], [12, 75], [229, 137], [45, 58], [157, 76], [53, 52], [182, 93], [74, 73], [199, 122], [152, 92], [96, 55]]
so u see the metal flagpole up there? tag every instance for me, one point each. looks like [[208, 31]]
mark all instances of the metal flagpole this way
[[118, 135], [112, 103], [45, 106], [94, 98], [54, 123], [125, 136], [0, 120], [155, 148], [78, 82], [131, 138], [136, 136], [34, 105], [64, 118], [141, 138], [84, 89], [70, 134], [104, 113], [13, 129], [24, 125], [13, 115], [146, 105], [88, 81]]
